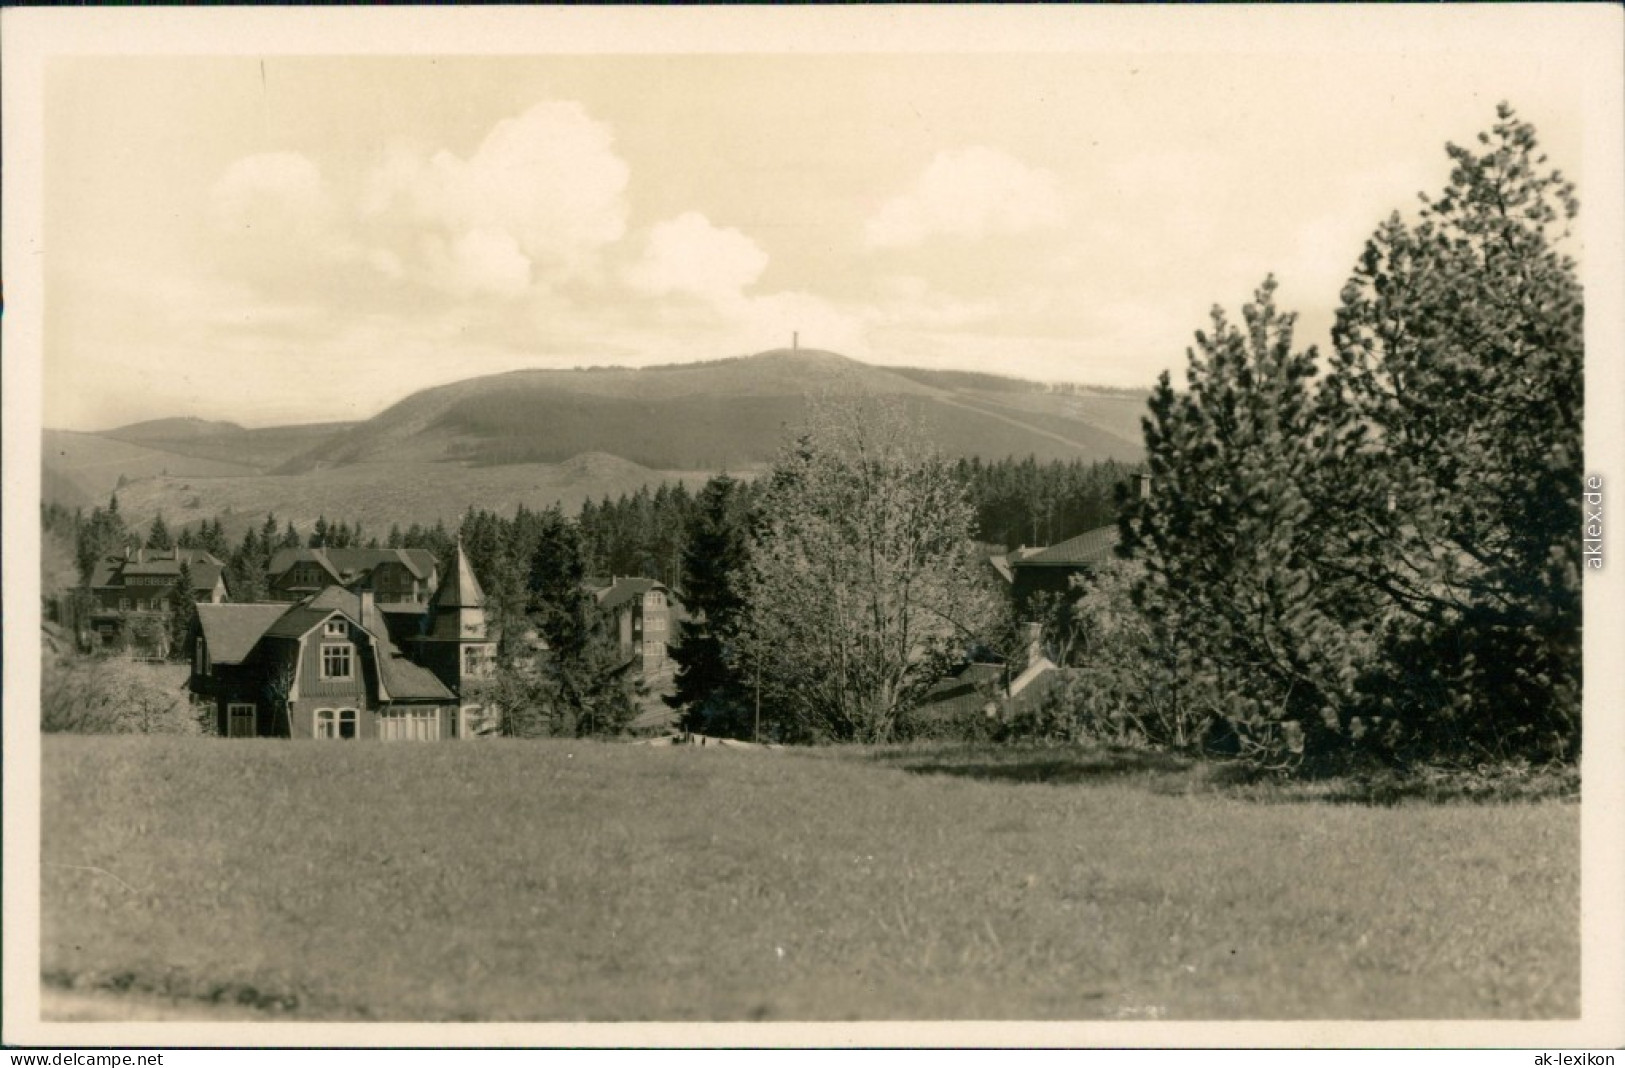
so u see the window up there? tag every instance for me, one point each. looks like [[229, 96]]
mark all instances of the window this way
[[336, 628], [475, 658], [240, 721], [336, 661], [409, 724], [123, 604], [202, 656], [335, 724]]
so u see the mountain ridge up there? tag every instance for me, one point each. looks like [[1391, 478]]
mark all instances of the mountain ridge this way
[[722, 413]]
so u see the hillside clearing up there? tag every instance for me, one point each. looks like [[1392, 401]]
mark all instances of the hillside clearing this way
[[382, 494], [596, 881]]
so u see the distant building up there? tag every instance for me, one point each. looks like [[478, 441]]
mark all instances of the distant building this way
[[641, 612], [141, 583], [1049, 570], [393, 576], [988, 690], [339, 665]]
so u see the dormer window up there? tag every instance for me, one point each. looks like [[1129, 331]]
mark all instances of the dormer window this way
[[337, 661]]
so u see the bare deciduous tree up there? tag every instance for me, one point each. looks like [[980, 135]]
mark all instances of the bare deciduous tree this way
[[862, 584]]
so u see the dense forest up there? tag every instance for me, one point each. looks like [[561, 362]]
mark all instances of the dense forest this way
[[1016, 502]]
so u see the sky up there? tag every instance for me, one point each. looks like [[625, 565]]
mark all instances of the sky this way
[[281, 238]]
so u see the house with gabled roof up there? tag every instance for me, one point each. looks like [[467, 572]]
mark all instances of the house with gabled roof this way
[[641, 612], [994, 691], [335, 666], [142, 582], [1050, 570], [394, 576]]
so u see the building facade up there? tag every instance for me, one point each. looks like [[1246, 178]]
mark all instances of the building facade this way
[[393, 576], [337, 665], [641, 613], [133, 592]]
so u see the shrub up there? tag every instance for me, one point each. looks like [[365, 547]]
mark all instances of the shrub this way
[[110, 695]]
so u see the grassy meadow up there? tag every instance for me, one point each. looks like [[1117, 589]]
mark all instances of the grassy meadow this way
[[596, 881]]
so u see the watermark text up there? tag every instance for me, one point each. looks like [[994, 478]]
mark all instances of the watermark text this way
[[1591, 527]]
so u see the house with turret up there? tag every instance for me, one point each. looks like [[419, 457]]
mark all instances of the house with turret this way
[[336, 664]]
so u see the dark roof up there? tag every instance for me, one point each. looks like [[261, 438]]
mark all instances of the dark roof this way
[[969, 689], [1049, 682], [336, 599], [1090, 548], [206, 568], [296, 621], [406, 681], [283, 559], [204, 576], [623, 590], [233, 629], [459, 589], [340, 562]]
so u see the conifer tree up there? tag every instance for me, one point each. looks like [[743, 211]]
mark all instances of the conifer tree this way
[[714, 563], [1455, 398], [1235, 576], [158, 536], [583, 659], [182, 610]]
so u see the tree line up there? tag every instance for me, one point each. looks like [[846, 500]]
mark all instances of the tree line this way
[[643, 533]]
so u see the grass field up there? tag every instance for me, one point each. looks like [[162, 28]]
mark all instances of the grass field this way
[[595, 881]]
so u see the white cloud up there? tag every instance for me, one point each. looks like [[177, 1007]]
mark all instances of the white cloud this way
[[274, 218], [546, 185], [481, 261], [968, 193], [269, 195], [690, 255]]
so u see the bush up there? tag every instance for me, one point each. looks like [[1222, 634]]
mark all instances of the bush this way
[[109, 695]]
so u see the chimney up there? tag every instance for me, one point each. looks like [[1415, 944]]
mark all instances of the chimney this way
[[369, 612], [1142, 487], [1033, 633]]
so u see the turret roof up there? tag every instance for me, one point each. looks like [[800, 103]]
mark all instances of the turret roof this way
[[459, 589]]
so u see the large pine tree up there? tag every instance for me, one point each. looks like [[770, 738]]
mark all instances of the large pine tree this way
[[1236, 579], [714, 563], [1455, 397]]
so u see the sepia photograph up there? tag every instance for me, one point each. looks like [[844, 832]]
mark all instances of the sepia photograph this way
[[816, 526]]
